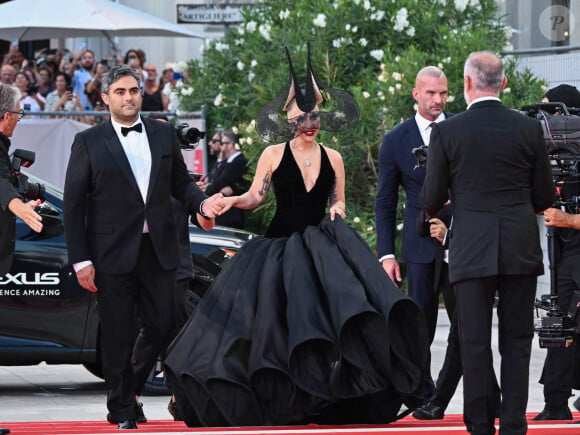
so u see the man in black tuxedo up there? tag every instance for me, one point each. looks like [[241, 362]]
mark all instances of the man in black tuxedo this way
[[494, 163], [397, 167], [120, 235]]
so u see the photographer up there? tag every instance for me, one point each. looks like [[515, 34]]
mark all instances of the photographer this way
[[11, 204], [558, 372]]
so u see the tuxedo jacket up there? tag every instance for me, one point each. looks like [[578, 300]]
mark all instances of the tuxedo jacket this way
[[493, 160], [7, 219], [396, 167], [103, 208]]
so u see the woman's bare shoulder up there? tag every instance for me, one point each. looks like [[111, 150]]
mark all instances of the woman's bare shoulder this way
[[332, 154]]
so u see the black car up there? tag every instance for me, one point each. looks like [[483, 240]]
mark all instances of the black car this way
[[46, 316]]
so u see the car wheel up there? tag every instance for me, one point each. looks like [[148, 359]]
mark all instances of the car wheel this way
[[155, 384]]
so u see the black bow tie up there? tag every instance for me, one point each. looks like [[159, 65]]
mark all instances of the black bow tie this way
[[137, 127]]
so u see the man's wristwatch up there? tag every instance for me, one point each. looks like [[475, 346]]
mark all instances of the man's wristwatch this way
[[203, 215]]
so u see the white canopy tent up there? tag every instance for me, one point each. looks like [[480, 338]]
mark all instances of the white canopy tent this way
[[27, 20]]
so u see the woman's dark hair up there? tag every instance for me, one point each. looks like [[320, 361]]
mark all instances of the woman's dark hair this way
[[66, 77], [140, 54], [22, 73]]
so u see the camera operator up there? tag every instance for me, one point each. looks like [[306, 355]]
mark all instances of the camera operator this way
[[558, 372]]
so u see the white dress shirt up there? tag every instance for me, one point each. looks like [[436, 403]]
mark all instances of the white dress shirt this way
[[425, 126]]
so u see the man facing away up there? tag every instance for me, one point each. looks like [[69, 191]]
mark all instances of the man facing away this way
[[121, 237], [397, 167], [493, 161]]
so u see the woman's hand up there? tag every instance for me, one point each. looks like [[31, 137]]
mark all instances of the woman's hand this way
[[337, 208], [228, 202]]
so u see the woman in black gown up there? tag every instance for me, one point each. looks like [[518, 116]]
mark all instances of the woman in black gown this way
[[303, 325]]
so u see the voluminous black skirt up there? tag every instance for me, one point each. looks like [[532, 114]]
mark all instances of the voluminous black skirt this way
[[301, 329]]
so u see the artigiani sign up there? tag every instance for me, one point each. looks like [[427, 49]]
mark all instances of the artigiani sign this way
[[227, 14]]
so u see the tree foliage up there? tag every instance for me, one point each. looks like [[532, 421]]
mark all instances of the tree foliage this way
[[372, 48]]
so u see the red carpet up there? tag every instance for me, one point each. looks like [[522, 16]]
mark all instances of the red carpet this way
[[453, 424]]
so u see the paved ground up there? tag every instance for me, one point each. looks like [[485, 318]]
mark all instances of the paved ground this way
[[69, 392]]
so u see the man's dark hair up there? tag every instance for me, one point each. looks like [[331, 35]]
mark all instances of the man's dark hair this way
[[115, 73], [158, 116], [566, 94]]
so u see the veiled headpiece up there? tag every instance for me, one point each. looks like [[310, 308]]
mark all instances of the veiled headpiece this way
[[342, 114]]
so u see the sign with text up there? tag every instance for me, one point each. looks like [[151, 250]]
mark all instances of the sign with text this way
[[202, 14]]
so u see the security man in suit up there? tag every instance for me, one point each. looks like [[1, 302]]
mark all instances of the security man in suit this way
[[397, 167], [494, 163], [120, 235]]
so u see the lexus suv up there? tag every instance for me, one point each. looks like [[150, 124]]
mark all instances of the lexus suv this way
[[46, 316]]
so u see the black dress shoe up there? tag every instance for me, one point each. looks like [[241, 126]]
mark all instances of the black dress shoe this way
[[4, 431], [127, 424], [577, 404], [429, 411], [561, 413], [139, 413], [174, 411]]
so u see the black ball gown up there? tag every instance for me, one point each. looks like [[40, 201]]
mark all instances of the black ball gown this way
[[303, 325]]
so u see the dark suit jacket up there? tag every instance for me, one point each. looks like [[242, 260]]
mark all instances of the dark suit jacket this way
[[495, 164], [103, 209], [231, 174], [7, 219], [396, 167]]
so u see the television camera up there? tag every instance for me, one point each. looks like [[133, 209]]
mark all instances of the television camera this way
[[24, 159], [188, 137], [561, 126]]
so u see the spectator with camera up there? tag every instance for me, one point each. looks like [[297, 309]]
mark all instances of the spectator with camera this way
[[559, 366], [45, 85], [86, 62], [63, 98], [30, 99], [136, 59]]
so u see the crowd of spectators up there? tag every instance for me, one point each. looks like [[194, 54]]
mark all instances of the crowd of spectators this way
[[59, 80]]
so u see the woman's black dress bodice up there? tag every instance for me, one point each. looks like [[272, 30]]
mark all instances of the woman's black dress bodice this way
[[296, 208]]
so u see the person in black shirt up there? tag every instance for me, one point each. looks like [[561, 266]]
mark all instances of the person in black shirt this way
[[154, 100]]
